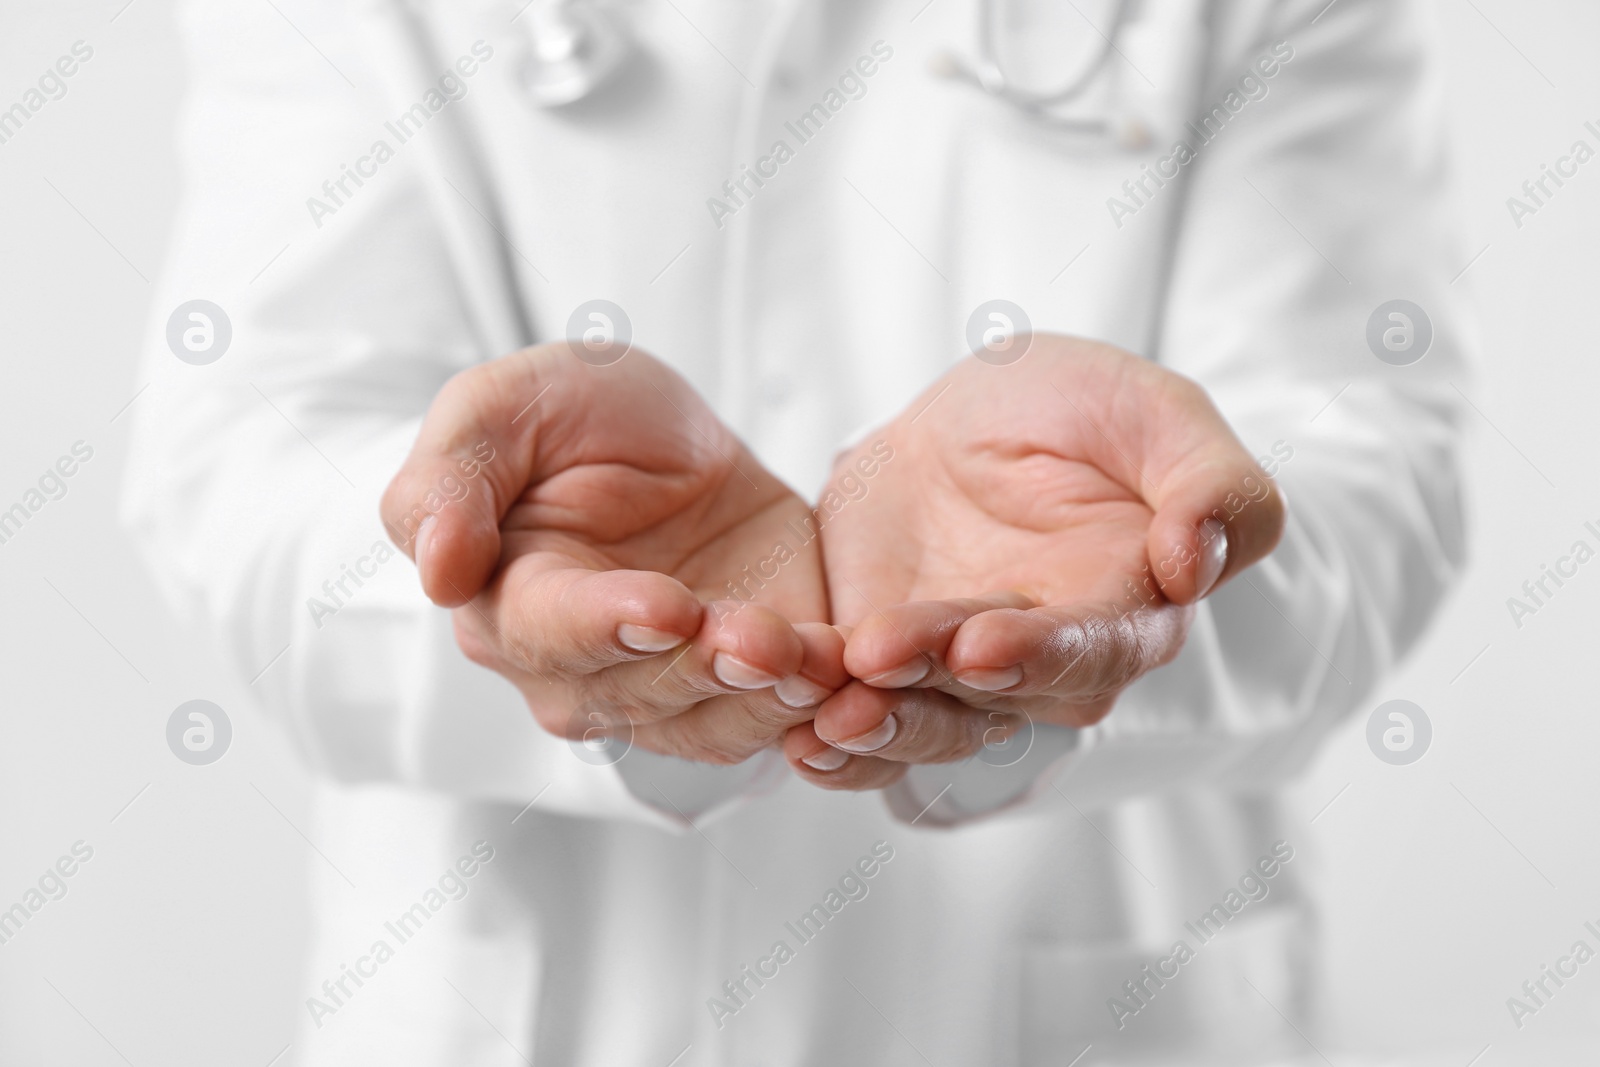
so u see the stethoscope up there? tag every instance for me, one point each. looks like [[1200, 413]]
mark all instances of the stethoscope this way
[[577, 46], [987, 73]]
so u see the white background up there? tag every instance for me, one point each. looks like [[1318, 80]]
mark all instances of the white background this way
[[1445, 884]]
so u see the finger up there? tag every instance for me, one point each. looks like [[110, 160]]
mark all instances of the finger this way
[[724, 729], [904, 645], [1066, 653], [822, 671], [732, 728], [572, 622], [735, 651], [823, 765], [1216, 511], [471, 460], [909, 725]]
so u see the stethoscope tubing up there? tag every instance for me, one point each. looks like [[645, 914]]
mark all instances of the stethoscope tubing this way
[[988, 73], [992, 78]]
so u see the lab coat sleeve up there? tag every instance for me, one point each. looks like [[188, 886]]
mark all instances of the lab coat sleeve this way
[[1316, 204], [253, 481]]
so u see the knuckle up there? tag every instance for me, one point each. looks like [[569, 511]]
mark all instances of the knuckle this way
[[940, 735], [1000, 724], [1121, 653], [974, 733], [1102, 654], [476, 645], [695, 740], [772, 716], [641, 704]]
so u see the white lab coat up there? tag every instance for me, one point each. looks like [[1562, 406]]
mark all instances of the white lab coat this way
[[1018, 900]]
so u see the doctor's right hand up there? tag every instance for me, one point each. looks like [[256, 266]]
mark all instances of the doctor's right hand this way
[[589, 526]]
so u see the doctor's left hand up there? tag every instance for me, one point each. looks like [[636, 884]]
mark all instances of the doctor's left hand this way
[[588, 524], [1033, 547]]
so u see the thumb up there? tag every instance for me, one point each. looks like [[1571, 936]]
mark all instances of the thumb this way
[[1216, 514], [471, 460], [1216, 511]]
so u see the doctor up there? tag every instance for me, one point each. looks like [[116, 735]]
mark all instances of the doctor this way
[[1238, 188]]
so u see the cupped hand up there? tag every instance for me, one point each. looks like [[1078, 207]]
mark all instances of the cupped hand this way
[[592, 526], [1034, 545]]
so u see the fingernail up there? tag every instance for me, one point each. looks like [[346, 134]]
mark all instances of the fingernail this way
[[1213, 556], [900, 677], [829, 759], [991, 679], [873, 739], [739, 674], [647, 638], [799, 692], [419, 551]]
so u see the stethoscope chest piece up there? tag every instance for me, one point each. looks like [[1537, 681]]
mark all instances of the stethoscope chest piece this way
[[575, 49]]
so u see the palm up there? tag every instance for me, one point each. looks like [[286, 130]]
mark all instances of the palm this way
[[974, 522], [986, 495], [649, 479]]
